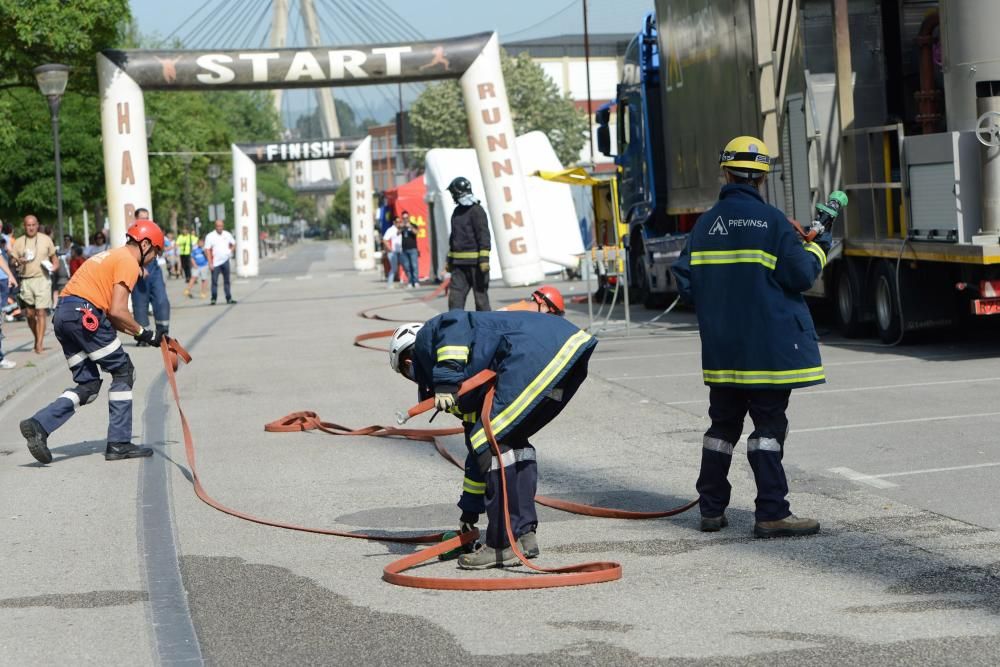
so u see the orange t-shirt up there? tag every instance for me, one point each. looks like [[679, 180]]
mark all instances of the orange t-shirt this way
[[96, 278]]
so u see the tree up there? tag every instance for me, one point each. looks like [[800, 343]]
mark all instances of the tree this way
[[309, 126], [52, 31], [438, 114]]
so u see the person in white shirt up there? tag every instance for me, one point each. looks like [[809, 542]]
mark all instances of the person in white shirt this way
[[392, 247], [220, 246]]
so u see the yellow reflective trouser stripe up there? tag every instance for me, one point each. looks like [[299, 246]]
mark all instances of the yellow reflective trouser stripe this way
[[748, 256], [473, 487], [472, 254], [459, 352], [531, 392], [484, 253], [816, 250], [764, 377]]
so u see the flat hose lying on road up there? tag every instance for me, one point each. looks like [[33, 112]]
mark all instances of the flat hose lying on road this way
[[575, 575]]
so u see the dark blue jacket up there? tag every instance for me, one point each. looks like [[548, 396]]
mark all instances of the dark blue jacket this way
[[744, 268], [530, 353]]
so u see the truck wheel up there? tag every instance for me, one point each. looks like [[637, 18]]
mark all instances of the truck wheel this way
[[848, 301], [887, 319]]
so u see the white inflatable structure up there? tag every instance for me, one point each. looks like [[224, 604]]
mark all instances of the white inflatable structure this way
[[552, 209]]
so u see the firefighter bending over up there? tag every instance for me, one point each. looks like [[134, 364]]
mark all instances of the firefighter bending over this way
[[744, 268], [540, 362]]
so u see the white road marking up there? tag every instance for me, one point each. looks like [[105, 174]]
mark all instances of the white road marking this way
[[879, 482], [305, 277], [820, 392], [274, 280], [862, 478], [916, 420]]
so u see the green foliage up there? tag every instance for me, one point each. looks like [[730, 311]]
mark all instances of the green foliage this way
[[438, 115], [309, 126], [340, 212]]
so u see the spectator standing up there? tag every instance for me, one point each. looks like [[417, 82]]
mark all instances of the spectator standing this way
[[200, 269], [410, 255], [98, 244], [392, 247], [170, 255], [185, 244], [7, 281], [151, 288], [35, 255], [77, 260], [220, 245]]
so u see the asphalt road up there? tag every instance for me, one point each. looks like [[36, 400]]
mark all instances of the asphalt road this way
[[119, 563]]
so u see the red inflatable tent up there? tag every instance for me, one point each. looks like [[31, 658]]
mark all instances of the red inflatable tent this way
[[410, 197]]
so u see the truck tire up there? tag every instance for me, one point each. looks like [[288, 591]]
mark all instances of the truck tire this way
[[848, 301], [885, 300], [639, 287]]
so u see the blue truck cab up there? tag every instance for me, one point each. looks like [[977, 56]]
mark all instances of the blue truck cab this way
[[655, 238]]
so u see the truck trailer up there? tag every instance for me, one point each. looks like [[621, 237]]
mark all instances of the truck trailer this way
[[896, 102]]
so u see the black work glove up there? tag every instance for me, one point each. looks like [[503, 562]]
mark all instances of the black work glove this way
[[484, 459], [148, 336]]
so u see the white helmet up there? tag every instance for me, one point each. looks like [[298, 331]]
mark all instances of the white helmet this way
[[403, 338]]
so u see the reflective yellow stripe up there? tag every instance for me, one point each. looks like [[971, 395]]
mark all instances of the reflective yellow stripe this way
[[470, 417], [764, 377], [744, 256], [484, 253], [453, 352], [474, 487], [472, 254], [531, 392], [816, 250]]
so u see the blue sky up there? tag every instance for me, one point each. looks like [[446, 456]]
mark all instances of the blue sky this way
[[242, 23]]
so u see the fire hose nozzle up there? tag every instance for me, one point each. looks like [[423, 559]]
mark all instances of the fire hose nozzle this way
[[402, 417]]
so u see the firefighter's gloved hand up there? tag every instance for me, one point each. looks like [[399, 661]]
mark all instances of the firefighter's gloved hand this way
[[444, 401], [484, 267], [147, 336]]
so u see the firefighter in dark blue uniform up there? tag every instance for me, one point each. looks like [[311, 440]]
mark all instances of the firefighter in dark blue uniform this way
[[468, 249], [93, 308], [540, 362], [744, 268], [151, 289]]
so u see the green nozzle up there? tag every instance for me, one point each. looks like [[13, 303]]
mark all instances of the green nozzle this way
[[840, 197]]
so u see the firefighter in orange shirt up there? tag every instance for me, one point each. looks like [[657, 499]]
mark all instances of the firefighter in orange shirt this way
[[93, 307]]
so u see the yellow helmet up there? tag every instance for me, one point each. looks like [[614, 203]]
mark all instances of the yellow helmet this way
[[746, 153]]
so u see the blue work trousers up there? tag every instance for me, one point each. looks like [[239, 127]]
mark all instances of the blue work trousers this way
[[519, 464], [153, 289], [728, 407], [87, 353]]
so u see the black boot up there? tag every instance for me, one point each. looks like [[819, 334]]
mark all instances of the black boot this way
[[37, 440], [117, 451]]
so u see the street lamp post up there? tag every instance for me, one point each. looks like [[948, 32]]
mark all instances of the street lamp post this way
[[214, 171], [52, 81], [186, 158]]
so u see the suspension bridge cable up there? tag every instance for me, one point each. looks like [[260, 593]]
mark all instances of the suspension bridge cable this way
[[255, 25], [210, 26], [399, 18], [183, 23]]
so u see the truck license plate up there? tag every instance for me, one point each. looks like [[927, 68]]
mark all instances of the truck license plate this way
[[986, 306]]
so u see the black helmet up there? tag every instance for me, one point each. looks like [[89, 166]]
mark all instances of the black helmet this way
[[460, 186]]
